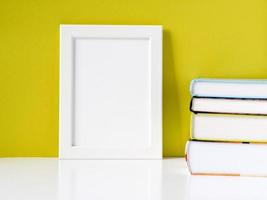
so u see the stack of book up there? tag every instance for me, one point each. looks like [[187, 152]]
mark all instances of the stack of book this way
[[228, 127]]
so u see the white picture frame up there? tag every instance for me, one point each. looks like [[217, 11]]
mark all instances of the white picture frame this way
[[110, 92]]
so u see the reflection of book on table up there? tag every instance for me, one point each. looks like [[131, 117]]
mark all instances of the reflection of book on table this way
[[226, 158], [226, 188]]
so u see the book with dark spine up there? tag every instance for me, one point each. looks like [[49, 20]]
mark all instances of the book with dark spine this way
[[227, 105]]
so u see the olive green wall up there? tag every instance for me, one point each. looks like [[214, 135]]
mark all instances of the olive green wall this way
[[207, 38]]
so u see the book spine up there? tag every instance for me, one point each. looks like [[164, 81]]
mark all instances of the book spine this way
[[191, 127], [192, 84], [187, 159]]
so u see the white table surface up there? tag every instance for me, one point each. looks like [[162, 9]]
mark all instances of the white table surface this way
[[168, 179]]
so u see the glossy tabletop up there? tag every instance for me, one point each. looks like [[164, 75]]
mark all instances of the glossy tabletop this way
[[168, 179]]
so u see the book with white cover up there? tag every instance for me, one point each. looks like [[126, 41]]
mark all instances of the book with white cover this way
[[244, 106], [225, 127], [229, 88], [227, 158]]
